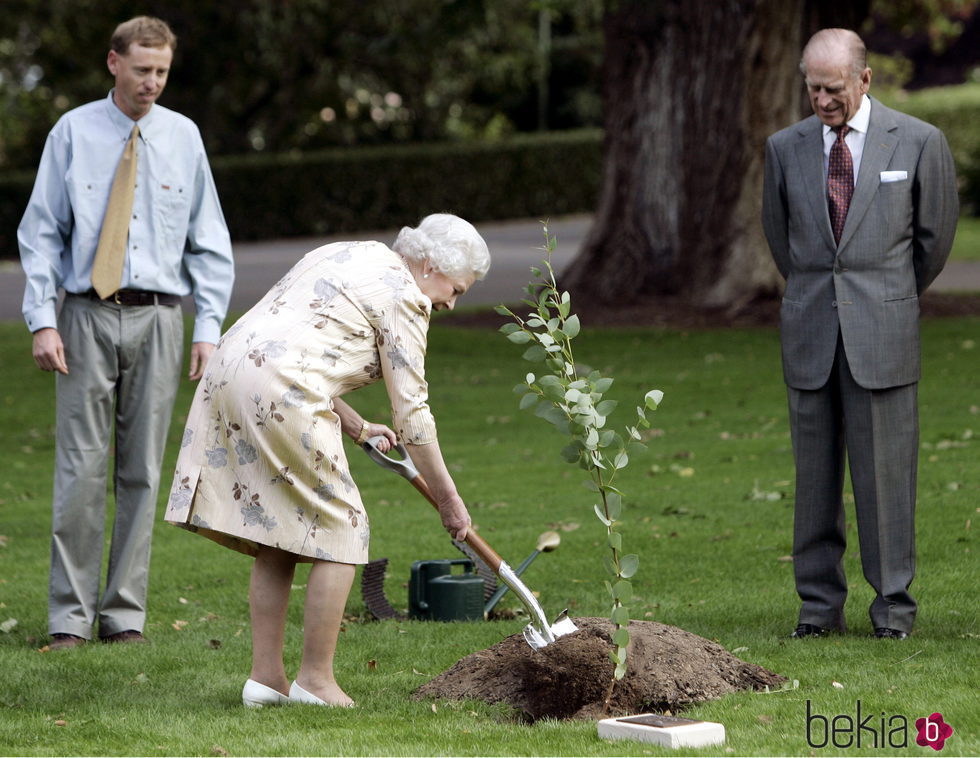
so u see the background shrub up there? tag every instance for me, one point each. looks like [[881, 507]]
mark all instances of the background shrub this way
[[353, 189]]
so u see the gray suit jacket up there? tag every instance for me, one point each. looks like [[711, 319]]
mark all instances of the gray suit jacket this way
[[896, 239]]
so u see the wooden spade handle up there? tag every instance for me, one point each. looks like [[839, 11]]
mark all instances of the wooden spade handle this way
[[480, 546]]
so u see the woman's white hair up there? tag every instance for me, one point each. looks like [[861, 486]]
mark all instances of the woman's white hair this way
[[449, 243]]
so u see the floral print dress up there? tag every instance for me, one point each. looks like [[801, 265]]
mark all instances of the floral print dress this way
[[262, 459]]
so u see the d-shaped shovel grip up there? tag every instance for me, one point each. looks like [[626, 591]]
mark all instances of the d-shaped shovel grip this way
[[406, 469]]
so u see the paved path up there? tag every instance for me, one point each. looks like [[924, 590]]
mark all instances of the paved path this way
[[514, 245]]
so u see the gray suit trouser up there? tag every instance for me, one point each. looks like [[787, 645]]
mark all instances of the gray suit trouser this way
[[879, 430], [124, 367]]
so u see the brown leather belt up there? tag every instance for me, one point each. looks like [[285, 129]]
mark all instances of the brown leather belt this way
[[135, 297]]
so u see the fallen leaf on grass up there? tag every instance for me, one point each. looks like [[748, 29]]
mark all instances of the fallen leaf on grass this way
[[182, 600], [3, 540], [214, 644], [764, 718], [179, 625], [418, 673], [141, 678], [785, 559], [61, 722], [838, 685], [8, 625], [372, 665], [218, 750], [434, 709]]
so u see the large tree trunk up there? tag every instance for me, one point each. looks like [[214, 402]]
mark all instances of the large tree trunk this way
[[692, 88]]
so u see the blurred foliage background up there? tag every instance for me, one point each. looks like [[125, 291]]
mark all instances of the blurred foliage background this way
[[286, 75]]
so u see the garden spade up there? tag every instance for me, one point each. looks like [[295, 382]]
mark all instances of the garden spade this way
[[539, 633], [547, 542]]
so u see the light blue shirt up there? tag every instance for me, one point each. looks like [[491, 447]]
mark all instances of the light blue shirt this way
[[178, 240]]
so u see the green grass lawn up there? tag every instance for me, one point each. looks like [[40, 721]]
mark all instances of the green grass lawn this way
[[966, 246], [709, 510]]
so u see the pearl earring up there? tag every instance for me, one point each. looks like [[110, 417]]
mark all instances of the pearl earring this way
[[425, 276]]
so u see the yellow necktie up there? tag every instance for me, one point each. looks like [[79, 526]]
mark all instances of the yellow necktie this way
[[107, 268]]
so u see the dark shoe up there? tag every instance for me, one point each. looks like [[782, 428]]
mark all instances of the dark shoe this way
[[809, 630], [884, 633], [64, 641], [130, 635]]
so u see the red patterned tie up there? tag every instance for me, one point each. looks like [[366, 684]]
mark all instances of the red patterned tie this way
[[840, 182]]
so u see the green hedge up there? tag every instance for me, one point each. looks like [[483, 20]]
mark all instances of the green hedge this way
[[352, 189], [955, 110], [344, 190]]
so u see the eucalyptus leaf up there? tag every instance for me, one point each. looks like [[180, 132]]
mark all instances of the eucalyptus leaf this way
[[602, 385], [652, 399], [610, 565], [615, 541], [592, 439], [529, 401], [614, 506], [572, 327], [621, 637], [555, 416], [554, 392], [628, 565], [519, 338], [621, 616], [600, 515], [620, 671], [623, 591], [606, 407], [534, 354]]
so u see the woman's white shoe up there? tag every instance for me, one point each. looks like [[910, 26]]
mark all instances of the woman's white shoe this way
[[298, 695], [257, 695]]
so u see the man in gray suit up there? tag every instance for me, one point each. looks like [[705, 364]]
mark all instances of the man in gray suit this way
[[859, 209]]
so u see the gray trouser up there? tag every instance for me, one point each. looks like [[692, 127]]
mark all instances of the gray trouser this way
[[124, 366], [880, 431]]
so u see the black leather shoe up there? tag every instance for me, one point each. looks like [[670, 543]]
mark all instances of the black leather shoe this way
[[884, 633], [130, 635], [61, 641], [809, 630]]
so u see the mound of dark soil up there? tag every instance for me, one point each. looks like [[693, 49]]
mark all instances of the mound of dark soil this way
[[669, 669]]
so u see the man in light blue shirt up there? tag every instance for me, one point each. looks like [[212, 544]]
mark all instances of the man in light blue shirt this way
[[118, 359]]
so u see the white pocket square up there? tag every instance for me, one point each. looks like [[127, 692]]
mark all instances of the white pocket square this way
[[893, 176]]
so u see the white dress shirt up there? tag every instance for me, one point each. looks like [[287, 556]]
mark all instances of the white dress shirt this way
[[178, 241], [854, 139]]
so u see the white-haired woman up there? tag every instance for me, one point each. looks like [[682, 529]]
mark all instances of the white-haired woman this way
[[262, 468]]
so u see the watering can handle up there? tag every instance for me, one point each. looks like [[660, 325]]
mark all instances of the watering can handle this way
[[406, 469]]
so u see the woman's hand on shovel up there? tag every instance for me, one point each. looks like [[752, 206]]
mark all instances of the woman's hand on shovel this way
[[455, 517], [442, 490]]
